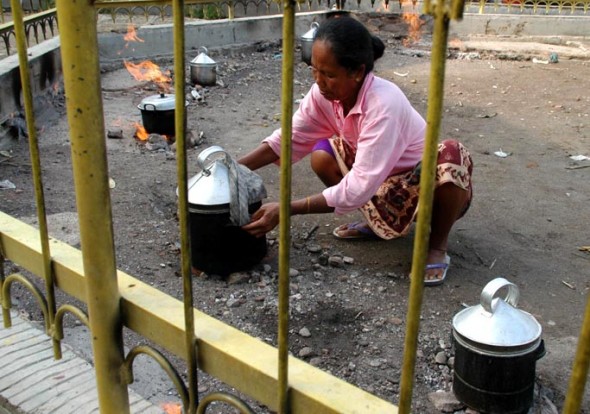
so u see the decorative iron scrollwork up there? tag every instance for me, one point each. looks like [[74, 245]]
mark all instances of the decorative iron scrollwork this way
[[163, 362], [224, 397], [7, 302]]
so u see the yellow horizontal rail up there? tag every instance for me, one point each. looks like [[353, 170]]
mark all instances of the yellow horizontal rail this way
[[234, 357]]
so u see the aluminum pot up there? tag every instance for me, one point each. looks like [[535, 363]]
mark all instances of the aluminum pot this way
[[157, 114], [496, 349], [203, 69], [217, 246], [307, 42]]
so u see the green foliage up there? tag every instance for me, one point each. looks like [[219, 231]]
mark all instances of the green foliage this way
[[207, 12]]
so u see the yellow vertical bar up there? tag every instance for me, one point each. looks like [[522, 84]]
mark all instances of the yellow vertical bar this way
[[575, 394], [19, 31], [79, 50], [181, 167], [433, 119], [285, 207], [231, 10]]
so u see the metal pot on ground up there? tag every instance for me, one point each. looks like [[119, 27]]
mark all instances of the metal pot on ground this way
[[157, 114], [307, 42], [217, 245], [203, 69], [496, 350]]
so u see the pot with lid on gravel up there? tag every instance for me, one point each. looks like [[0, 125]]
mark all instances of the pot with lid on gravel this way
[[221, 198], [496, 350], [203, 69]]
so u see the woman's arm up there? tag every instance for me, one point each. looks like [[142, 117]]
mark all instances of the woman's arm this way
[[259, 157], [267, 217]]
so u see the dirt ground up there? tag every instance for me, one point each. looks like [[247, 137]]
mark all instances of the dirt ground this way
[[528, 221]]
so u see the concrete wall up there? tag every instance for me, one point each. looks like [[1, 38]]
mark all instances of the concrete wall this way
[[523, 26], [45, 71], [212, 34]]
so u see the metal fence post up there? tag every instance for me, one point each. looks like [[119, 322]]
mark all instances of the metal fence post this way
[[79, 49]]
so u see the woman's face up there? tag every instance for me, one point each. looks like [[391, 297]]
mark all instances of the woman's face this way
[[335, 82]]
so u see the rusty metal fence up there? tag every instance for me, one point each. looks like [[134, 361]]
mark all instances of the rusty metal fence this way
[[115, 299]]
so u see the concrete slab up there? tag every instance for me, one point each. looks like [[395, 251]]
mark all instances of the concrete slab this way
[[31, 381]]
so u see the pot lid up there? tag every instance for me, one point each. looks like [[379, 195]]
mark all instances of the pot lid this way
[[497, 322], [160, 102], [210, 187], [202, 58], [310, 34]]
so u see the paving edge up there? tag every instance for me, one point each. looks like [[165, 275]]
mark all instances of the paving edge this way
[[31, 380]]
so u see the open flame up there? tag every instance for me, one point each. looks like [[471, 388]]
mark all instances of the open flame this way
[[415, 24], [149, 71], [146, 70], [172, 408], [131, 35], [140, 132]]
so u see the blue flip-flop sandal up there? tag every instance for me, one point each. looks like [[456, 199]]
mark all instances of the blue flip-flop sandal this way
[[444, 266]]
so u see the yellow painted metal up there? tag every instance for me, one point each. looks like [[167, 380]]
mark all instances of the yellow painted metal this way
[[31, 287], [285, 202], [79, 51], [164, 364], [21, 44], [2, 274], [243, 362], [226, 398], [59, 316], [441, 11], [575, 393], [181, 166]]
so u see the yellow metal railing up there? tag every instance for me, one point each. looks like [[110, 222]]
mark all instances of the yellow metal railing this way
[[115, 299]]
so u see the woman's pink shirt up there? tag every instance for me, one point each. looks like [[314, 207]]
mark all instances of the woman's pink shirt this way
[[386, 130]]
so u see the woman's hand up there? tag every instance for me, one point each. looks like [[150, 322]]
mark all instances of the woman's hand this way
[[263, 220]]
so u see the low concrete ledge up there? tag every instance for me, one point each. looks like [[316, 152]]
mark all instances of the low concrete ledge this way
[[45, 70], [158, 39], [531, 26]]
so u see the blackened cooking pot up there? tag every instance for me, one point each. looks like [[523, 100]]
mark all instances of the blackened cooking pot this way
[[157, 114], [496, 350], [217, 245]]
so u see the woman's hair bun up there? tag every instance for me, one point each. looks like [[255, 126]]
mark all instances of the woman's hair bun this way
[[378, 47]]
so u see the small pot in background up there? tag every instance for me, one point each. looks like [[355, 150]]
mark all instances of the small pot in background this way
[[203, 69], [307, 43]]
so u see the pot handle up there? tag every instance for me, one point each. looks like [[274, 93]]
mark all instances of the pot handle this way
[[147, 106], [491, 289], [315, 25], [203, 49], [205, 154]]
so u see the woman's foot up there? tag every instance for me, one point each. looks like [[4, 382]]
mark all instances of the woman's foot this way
[[437, 264], [356, 230]]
